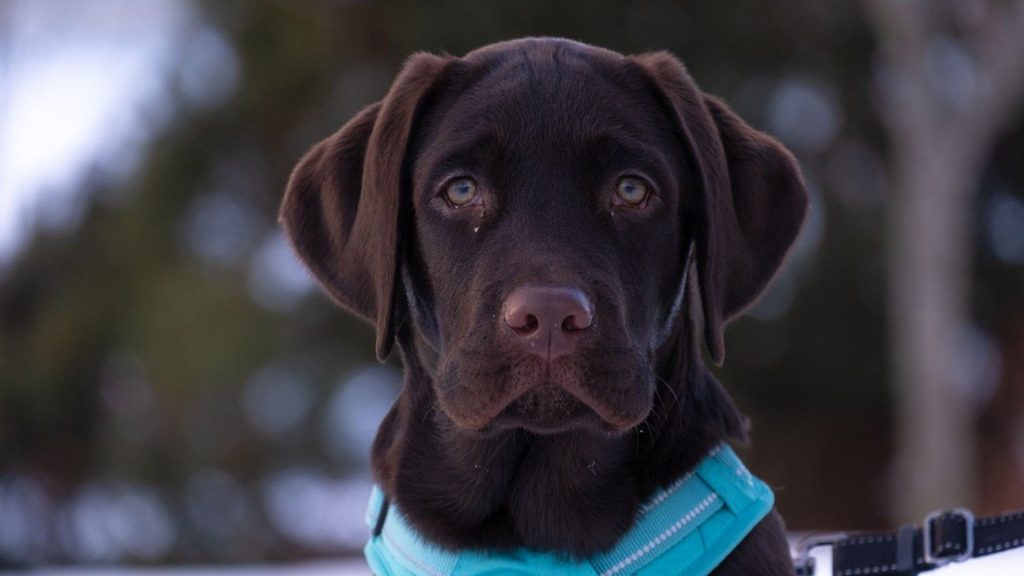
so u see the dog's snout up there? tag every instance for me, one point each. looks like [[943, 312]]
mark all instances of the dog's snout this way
[[548, 321]]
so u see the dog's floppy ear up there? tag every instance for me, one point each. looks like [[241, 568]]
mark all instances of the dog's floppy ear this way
[[752, 198], [343, 204]]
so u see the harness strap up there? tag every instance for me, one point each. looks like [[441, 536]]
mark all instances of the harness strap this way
[[943, 538], [688, 527]]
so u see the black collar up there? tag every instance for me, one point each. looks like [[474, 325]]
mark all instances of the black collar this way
[[944, 537]]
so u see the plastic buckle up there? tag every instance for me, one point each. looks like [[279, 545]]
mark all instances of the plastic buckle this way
[[804, 563], [968, 551]]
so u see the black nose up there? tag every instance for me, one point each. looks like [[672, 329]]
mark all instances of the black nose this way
[[548, 321]]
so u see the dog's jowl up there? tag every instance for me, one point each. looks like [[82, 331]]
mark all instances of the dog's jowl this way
[[552, 234]]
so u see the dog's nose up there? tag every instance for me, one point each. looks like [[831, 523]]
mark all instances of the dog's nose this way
[[548, 321]]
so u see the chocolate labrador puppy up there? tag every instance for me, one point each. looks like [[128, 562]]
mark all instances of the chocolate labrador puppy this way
[[521, 222]]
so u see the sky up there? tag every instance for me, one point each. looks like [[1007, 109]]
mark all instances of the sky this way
[[75, 81]]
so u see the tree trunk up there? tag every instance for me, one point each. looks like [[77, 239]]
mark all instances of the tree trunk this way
[[929, 275], [952, 75]]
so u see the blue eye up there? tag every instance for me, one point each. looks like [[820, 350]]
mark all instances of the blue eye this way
[[630, 191], [461, 192]]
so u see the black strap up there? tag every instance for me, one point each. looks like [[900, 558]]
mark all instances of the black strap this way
[[382, 514], [945, 537]]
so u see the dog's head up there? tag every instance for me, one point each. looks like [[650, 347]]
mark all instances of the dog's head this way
[[531, 208]]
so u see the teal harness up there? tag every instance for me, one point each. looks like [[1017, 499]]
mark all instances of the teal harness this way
[[687, 528]]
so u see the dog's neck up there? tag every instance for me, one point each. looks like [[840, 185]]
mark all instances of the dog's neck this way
[[575, 493]]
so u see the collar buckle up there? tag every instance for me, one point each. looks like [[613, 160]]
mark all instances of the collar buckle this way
[[936, 530], [805, 563]]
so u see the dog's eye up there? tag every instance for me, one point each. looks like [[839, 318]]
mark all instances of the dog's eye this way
[[630, 191], [461, 192]]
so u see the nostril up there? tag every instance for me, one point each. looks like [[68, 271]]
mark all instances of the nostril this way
[[572, 324], [521, 321], [530, 324], [552, 314], [580, 315]]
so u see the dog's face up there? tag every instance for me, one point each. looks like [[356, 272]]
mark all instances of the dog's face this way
[[550, 240], [531, 208]]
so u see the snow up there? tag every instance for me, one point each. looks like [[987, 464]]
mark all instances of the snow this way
[[1004, 564]]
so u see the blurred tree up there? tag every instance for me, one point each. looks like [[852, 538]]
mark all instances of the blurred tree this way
[[952, 79], [137, 345]]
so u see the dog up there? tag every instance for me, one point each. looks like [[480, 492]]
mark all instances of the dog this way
[[546, 229]]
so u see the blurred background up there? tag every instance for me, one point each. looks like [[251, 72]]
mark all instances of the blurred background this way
[[174, 388]]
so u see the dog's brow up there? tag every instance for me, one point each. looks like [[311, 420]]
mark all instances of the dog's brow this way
[[620, 143], [473, 153], [618, 148]]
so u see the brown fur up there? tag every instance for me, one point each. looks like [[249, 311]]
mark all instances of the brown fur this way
[[488, 447]]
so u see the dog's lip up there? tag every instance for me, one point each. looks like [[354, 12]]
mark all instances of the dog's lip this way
[[546, 409], [578, 408], [492, 412], [602, 409]]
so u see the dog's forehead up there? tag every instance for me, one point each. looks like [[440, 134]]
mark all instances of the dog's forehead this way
[[541, 98], [547, 84], [540, 50], [547, 71]]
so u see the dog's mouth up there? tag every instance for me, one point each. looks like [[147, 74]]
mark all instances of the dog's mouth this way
[[548, 409], [553, 408], [604, 390]]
